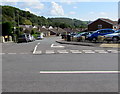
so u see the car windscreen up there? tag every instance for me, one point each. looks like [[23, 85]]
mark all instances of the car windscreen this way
[[21, 36]]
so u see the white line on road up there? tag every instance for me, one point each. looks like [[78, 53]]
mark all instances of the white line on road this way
[[2, 53], [35, 48], [104, 52], [88, 51], [12, 53], [113, 51], [101, 51], [62, 51], [50, 52], [76, 51], [57, 46], [78, 72], [23, 53]]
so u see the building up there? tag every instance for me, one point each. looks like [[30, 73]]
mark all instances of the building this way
[[57, 31], [102, 23]]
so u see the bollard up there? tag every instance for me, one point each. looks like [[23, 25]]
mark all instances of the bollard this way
[[3, 39], [10, 38], [83, 38], [100, 38]]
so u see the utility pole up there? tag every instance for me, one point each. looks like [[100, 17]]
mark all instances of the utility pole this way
[[14, 32]]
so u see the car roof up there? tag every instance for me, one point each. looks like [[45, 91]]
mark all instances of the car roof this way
[[106, 29]]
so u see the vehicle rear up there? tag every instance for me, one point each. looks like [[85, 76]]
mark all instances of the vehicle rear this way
[[22, 38]]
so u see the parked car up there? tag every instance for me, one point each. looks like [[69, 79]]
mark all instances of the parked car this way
[[115, 37], [23, 38], [39, 37], [101, 32], [80, 36], [30, 37], [72, 34]]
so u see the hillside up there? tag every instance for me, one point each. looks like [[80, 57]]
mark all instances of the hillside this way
[[17, 16]]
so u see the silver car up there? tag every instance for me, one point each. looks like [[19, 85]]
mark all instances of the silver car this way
[[113, 37]]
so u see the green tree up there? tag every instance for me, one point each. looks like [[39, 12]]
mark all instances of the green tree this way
[[27, 22], [7, 28]]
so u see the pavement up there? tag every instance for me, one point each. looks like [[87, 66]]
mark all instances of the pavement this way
[[97, 44]]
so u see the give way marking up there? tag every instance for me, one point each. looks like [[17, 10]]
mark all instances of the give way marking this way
[[57, 46]]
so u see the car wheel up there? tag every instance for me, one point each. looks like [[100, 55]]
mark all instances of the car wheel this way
[[115, 39], [94, 39]]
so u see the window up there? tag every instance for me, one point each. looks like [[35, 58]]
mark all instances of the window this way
[[102, 31], [99, 26]]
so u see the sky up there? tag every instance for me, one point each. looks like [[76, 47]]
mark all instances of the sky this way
[[85, 10]]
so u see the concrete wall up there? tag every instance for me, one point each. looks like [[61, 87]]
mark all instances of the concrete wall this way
[[4, 39]]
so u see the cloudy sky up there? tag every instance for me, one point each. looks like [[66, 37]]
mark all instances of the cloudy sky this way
[[86, 10]]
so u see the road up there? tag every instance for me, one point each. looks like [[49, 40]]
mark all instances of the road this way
[[46, 66]]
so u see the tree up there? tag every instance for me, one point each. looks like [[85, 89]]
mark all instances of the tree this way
[[7, 28], [63, 25], [27, 22]]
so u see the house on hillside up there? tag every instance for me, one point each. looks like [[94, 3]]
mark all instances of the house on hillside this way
[[56, 31], [71, 30], [26, 28], [44, 30], [102, 23]]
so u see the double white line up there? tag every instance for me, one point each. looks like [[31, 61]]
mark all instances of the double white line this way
[[79, 72]]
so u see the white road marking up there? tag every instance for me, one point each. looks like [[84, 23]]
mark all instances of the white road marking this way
[[35, 48], [22, 53], [62, 51], [2, 53], [75, 51], [38, 52], [113, 51], [101, 51], [50, 52], [78, 72], [57, 46], [88, 51], [104, 52], [11, 53]]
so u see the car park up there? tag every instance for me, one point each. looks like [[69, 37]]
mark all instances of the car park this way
[[100, 32], [115, 37]]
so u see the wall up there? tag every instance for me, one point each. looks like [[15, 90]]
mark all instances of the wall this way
[[94, 26]]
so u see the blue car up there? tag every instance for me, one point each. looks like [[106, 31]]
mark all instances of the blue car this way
[[100, 32]]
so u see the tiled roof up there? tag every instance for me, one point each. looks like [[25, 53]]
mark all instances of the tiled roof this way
[[109, 21], [43, 29], [106, 20], [57, 30]]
